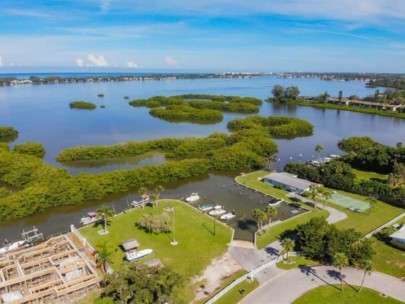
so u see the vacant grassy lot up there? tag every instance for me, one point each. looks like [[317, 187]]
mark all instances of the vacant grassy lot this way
[[369, 175], [238, 292], [197, 245], [388, 259], [331, 294]]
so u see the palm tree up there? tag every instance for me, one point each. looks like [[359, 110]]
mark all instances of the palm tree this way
[[259, 215], [326, 196], [318, 150], [271, 212], [367, 266], [153, 198], [159, 189], [313, 192], [372, 201], [143, 191], [268, 161], [103, 257], [288, 245], [104, 212], [340, 260]]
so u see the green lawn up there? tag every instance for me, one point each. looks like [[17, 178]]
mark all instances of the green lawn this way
[[388, 259], [363, 222], [295, 262], [369, 175], [197, 245], [331, 294], [274, 232], [238, 292]]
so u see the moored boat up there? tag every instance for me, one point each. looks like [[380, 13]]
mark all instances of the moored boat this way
[[193, 198], [136, 255], [217, 212], [227, 216], [206, 207], [10, 247], [89, 219]]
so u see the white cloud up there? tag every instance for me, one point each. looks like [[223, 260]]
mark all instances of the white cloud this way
[[170, 61], [132, 64], [105, 5], [80, 62], [27, 13], [97, 61], [1, 61], [11, 64]]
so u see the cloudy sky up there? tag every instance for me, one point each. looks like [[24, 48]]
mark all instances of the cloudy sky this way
[[203, 35]]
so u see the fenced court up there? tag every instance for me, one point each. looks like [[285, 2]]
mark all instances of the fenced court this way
[[348, 202]]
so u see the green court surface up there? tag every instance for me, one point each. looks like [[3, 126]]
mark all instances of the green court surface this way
[[348, 202]]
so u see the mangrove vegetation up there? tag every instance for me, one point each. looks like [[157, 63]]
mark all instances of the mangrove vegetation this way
[[8, 134], [85, 105]]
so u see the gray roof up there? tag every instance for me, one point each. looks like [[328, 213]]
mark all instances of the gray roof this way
[[290, 180], [130, 244], [400, 234]]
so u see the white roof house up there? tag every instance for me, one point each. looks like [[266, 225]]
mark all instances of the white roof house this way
[[289, 182], [399, 236]]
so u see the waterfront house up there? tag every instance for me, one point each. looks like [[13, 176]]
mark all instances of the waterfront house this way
[[399, 236], [288, 182]]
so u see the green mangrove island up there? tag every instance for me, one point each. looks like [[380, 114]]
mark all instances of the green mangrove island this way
[[41, 186], [197, 108], [82, 105], [8, 134]]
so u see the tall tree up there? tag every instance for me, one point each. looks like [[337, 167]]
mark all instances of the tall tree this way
[[259, 215], [288, 245], [103, 257], [367, 266], [319, 149], [271, 212], [153, 198], [326, 196], [278, 91], [372, 201], [158, 190], [340, 96], [340, 260], [292, 92], [105, 212], [313, 192], [143, 191], [268, 161]]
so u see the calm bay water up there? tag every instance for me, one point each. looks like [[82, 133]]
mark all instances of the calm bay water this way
[[41, 113]]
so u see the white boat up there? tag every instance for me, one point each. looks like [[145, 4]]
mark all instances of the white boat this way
[[89, 219], [218, 207], [227, 216], [136, 255], [193, 198], [142, 202], [205, 208], [9, 247], [217, 212]]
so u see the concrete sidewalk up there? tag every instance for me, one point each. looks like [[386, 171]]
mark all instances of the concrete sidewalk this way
[[290, 285]]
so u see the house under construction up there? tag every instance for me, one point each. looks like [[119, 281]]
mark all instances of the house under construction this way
[[54, 271]]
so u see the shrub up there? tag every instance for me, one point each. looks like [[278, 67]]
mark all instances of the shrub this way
[[8, 134], [30, 148], [82, 105]]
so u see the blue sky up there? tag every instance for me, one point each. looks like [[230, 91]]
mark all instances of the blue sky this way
[[203, 35]]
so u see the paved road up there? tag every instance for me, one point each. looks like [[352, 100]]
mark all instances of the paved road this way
[[287, 286]]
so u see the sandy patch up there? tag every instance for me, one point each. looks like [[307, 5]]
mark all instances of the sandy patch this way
[[213, 276]]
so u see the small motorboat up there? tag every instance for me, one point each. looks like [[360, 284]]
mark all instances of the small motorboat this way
[[10, 247], [217, 212], [227, 216], [136, 255], [206, 207], [89, 219], [193, 198]]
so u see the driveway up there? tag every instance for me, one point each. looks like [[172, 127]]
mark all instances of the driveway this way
[[288, 286]]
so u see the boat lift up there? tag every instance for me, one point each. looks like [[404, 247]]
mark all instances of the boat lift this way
[[32, 236]]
